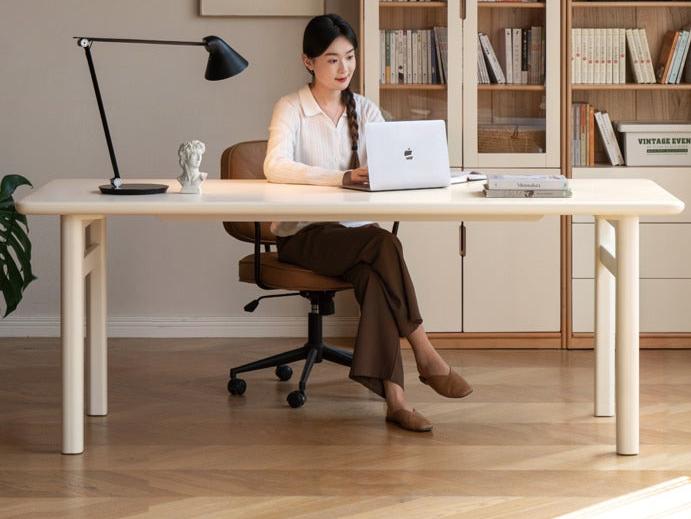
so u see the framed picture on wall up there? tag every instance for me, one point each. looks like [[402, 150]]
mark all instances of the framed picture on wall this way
[[261, 8]]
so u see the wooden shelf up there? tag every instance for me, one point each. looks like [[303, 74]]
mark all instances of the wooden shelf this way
[[587, 5], [513, 5], [414, 5], [632, 86], [412, 86], [512, 88]]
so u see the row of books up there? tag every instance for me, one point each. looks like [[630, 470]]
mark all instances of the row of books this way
[[409, 56], [527, 186], [521, 58], [585, 118], [673, 57], [599, 56], [399, 1]]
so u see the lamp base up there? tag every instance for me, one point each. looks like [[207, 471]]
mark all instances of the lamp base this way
[[134, 189]]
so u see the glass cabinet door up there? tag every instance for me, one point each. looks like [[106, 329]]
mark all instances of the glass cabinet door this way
[[413, 72], [511, 84]]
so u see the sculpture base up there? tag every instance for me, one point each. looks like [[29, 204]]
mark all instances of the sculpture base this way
[[134, 189]]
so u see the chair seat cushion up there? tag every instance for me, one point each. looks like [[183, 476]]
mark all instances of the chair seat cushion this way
[[288, 276]]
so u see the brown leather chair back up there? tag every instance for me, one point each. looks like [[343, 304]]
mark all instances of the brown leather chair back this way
[[245, 160]]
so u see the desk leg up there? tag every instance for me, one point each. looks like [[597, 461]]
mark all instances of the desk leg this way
[[72, 321], [604, 317], [627, 354], [97, 340]]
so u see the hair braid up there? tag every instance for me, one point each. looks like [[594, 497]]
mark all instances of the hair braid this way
[[353, 127]]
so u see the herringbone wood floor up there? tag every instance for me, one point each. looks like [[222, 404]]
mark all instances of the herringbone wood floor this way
[[525, 444]]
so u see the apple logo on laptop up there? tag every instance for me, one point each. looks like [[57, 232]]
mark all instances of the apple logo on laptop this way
[[408, 154]]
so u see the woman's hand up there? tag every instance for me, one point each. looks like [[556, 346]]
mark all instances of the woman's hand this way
[[356, 176]]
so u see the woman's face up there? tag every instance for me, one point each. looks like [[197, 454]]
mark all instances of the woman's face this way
[[334, 69]]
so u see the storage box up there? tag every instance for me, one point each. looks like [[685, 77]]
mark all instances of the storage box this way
[[656, 143]]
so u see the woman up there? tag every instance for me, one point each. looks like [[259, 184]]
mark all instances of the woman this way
[[315, 137]]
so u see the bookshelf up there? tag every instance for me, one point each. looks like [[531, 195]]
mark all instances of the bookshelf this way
[[489, 126], [665, 283]]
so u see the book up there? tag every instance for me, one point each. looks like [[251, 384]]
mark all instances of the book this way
[[497, 74], [613, 138], [679, 52], [684, 57], [527, 193], [664, 58], [634, 56], [647, 58], [532, 182], [507, 54]]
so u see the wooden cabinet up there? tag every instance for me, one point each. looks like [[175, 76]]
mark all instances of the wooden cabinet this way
[[664, 262], [507, 264]]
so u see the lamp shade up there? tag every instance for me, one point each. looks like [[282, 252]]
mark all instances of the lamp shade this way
[[223, 62]]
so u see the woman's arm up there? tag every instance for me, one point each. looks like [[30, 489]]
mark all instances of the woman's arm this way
[[280, 165]]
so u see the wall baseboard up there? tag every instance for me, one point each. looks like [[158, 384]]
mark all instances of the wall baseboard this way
[[174, 327]]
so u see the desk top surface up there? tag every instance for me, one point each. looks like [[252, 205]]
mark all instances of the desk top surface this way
[[249, 200]]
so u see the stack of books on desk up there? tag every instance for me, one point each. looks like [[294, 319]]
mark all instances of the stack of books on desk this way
[[527, 186]]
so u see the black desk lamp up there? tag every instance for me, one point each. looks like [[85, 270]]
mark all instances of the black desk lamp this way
[[223, 63]]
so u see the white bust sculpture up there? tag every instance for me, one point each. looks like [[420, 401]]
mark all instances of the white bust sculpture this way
[[190, 156]]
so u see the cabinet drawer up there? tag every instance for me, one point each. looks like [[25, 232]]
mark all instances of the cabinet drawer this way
[[511, 276], [664, 305], [665, 251], [431, 254]]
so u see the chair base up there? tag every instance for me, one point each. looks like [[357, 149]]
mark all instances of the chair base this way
[[313, 352]]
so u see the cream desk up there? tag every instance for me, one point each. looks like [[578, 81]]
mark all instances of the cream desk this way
[[616, 205]]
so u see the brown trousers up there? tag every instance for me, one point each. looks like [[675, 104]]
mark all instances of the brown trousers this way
[[371, 258]]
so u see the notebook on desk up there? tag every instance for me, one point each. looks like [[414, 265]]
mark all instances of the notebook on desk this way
[[406, 155]]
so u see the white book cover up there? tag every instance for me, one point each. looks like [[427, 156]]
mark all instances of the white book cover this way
[[544, 182], [622, 56], [613, 159], [649, 70], [424, 45], [633, 54], [597, 79], [615, 56], [420, 58], [393, 73], [638, 41], [508, 55], [613, 139], [603, 56], [516, 44], [590, 54], [409, 56], [482, 74], [416, 57], [492, 59], [676, 64], [584, 55], [576, 55], [382, 57], [686, 53], [402, 56], [609, 55]]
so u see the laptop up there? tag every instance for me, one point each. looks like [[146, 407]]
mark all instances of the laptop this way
[[406, 155]]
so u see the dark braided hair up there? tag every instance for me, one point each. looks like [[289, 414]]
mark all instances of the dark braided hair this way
[[320, 32]]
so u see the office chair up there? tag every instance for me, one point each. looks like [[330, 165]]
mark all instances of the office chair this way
[[245, 160]]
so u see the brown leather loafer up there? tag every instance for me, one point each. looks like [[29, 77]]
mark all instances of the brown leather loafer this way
[[411, 421], [452, 385]]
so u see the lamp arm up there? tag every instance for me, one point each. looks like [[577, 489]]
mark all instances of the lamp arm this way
[[86, 44], [128, 40]]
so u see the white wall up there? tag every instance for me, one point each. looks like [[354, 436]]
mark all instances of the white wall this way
[[165, 278]]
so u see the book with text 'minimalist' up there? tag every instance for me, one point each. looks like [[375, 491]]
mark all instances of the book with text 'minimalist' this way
[[531, 182]]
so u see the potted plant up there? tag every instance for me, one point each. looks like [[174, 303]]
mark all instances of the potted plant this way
[[15, 247]]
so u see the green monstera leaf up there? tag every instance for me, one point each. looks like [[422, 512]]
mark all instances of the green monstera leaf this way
[[15, 247]]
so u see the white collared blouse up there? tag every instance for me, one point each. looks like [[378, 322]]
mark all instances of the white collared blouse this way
[[306, 147]]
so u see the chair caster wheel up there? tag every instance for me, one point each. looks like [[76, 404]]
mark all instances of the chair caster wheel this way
[[297, 399], [284, 372], [236, 386]]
